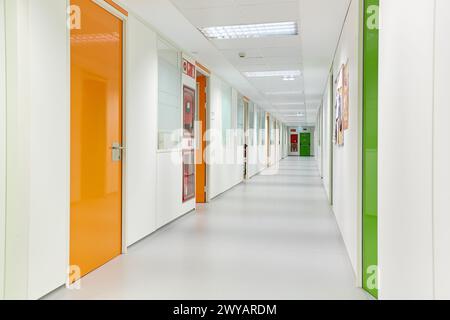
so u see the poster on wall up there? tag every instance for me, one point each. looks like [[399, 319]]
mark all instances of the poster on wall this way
[[188, 144], [188, 112], [346, 97], [339, 109]]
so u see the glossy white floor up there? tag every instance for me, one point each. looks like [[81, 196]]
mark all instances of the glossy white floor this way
[[273, 237]]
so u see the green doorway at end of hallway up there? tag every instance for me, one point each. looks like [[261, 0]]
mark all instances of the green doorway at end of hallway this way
[[305, 144]]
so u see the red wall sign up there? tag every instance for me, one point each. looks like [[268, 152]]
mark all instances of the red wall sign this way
[[188, 69]]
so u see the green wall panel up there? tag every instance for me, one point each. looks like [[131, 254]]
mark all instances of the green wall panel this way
[[370, 148]]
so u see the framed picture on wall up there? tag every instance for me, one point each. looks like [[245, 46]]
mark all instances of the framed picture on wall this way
[[188, 144], [188, 111], [345, 96], [339, 108]]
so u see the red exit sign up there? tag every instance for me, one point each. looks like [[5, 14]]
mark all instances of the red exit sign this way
[[188, 69]]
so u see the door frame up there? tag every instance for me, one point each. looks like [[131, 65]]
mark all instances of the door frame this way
[[246, 106], [202, 70], [3, 124], [120, 13]]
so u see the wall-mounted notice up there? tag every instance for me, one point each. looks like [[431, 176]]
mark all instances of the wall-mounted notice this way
[[188, 69], [188, 143], [346, 97], [339, 109]]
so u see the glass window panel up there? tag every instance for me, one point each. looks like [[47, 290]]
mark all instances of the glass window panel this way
[[226, 111], [240, 120], [262, 131], [169, 96], [251, 123]]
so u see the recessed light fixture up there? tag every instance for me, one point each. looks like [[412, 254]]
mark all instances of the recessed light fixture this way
[[265, 74], [289, 104], [295, 115], [289, 78], [282, 93], [246, 31]]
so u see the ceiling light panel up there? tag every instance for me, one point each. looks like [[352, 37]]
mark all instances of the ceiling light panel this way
[[289, 104], [280, 93], [264, 74], [251, 31], [289, 78]]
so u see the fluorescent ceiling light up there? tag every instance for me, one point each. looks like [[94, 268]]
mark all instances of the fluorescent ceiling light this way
[[281, 93], [300, 114], [246, 31], [289, 78], [264, 74], [289, 104]]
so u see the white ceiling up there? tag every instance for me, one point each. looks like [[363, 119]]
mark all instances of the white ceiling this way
[[320, 23]]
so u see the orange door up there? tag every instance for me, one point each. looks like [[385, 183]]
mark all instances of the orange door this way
[[96, 125], [200, 170]]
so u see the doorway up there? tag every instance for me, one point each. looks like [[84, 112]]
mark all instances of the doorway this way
[[246, 137], [305, 144], [200, 167], [294, 144], [96, 138]]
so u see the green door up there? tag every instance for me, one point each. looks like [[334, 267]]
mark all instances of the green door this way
[[370, 148], [305, 144]]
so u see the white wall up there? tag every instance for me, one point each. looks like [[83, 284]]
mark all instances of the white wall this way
[[405, 191], [38, 147], [285, 141], [50, 136], [257, 153], [141, 130], [16, 247], [405, 150], [441, 151], [170, 189], [327, 124], [313, 138], [317, 141], [414, 151], [252, 148], [222, 176], [170, 204], [2, 146], [273, 147], [346, 173]]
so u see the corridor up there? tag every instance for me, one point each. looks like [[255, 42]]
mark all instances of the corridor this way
[[272, 237]]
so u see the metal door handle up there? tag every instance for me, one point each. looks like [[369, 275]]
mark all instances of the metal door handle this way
[[117, 150]]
